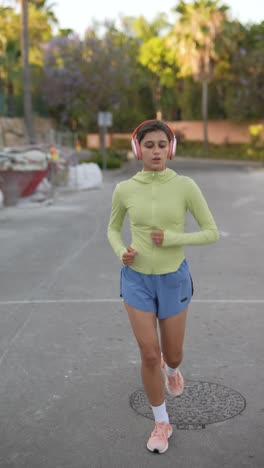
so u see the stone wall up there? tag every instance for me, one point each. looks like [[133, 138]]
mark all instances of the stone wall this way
[[13, 132]]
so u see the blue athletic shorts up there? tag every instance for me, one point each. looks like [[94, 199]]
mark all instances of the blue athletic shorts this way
[[166, 294]]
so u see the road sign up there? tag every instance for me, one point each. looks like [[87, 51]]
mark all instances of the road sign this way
[[105, 119]]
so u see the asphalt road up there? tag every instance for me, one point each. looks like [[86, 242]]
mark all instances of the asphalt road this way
[[68, 360]]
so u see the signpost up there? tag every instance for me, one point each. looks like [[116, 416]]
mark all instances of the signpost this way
[[104, 120]]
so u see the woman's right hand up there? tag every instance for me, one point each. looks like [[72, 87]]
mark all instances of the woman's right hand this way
[[128, 257]]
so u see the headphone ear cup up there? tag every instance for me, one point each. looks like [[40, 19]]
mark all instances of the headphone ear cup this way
[[136, 148], [172, 148]]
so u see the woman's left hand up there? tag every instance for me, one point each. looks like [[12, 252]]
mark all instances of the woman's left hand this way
[[157, 237]]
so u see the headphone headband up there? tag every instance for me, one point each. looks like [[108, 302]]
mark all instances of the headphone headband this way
[[136, 146]]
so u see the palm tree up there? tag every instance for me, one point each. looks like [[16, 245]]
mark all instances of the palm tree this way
[[26, 72], [194, 39]]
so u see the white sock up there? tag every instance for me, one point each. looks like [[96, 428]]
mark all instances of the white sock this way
[[171, 371], [160, 413]]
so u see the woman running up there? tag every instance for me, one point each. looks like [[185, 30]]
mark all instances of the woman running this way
[[156, 284]]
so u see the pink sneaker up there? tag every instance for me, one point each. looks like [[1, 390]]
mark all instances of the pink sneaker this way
[[175, 382], [158, 441]]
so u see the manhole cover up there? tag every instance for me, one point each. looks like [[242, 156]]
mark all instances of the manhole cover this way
[[202, 403]]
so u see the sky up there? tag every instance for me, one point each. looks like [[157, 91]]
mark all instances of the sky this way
[[79, 14]]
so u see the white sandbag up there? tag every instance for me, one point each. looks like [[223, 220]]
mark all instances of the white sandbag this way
[[85, 176], [24, 159], [44, 186]]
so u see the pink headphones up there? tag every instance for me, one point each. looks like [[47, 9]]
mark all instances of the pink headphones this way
[[136, 146]]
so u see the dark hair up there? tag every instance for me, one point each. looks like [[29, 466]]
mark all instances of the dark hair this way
[[153, 126]]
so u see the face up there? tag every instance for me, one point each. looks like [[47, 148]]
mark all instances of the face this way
[[155, 148]]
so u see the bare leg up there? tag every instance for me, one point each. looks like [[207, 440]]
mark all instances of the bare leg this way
[[144, 325], [172, 332]]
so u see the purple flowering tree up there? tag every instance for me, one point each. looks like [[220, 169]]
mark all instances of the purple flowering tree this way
[[82, 78]]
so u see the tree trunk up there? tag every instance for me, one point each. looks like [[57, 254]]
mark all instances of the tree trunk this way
[[205, 112], [10, 99], [158, 100], [26, 72]]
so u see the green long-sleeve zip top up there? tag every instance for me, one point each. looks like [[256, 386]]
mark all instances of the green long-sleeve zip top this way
[[159, 200]]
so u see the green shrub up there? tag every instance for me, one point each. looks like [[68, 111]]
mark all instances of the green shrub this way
[[193, 149], [113, 153], [121, 144], [227, 151], [112, 162]]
